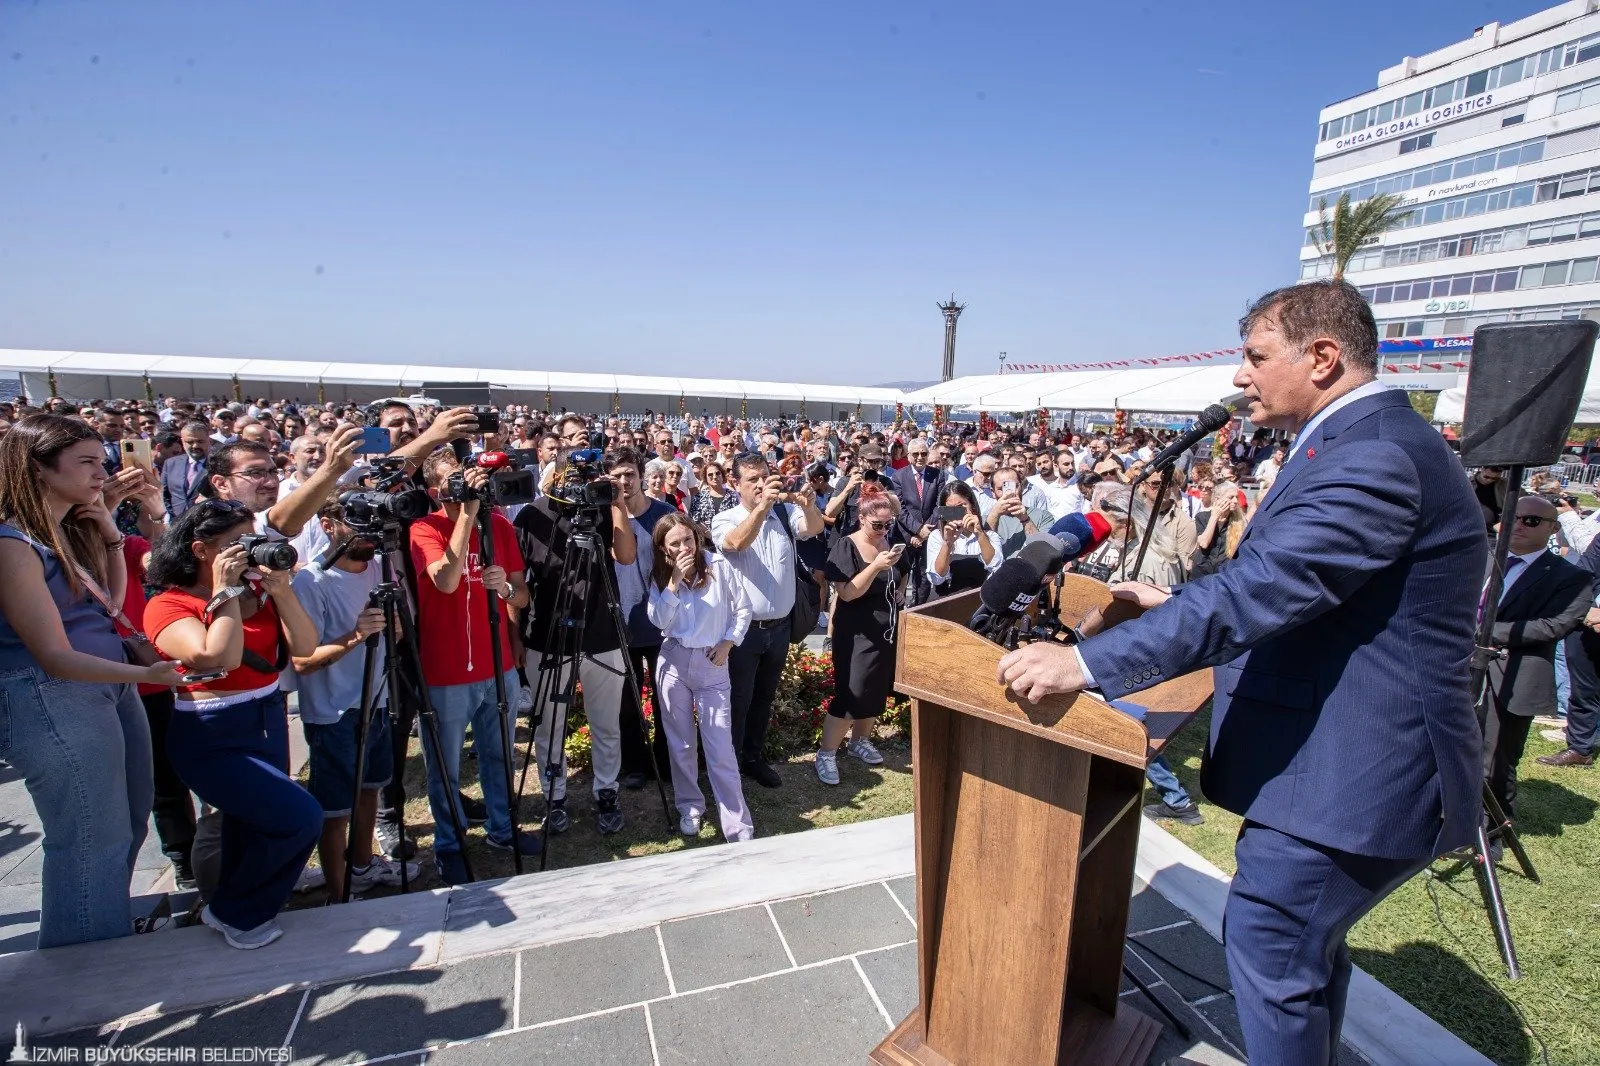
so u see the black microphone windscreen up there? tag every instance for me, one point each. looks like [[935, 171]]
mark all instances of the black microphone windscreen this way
[[1214, 417], [1041, 553], [1013, 586]]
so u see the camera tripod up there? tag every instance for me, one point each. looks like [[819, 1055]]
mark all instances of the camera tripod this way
[[390, 596], [486, 514], [583, 553], [1496, 826]]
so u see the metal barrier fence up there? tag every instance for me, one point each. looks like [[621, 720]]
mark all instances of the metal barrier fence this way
[[1579, 473]]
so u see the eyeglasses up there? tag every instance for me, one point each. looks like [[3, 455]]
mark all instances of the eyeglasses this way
[[880, 526], [256, 473], [1532, 521]]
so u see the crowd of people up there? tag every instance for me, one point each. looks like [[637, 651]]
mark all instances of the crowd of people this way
[[164, 669]]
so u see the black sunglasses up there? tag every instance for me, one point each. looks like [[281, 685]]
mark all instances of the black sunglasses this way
[[1532, 521]]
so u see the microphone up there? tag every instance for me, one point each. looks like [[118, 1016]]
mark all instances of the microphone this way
[[1211, 419], [1081, 533], [1051, 552], [494, 460], [1011, 589]]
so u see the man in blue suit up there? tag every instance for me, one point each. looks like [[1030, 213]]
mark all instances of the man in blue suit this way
[[1342, 728]]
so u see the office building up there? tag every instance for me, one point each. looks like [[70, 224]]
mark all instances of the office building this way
[[1494, 144]]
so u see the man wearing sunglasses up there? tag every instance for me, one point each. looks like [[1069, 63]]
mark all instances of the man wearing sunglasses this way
[[1542, 599]]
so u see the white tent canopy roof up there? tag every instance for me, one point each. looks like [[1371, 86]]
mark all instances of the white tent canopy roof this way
[[1452, 403], [1166, 390], [394, 377]]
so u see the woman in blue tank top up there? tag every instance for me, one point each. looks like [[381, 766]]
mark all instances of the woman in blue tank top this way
[[70, 718]]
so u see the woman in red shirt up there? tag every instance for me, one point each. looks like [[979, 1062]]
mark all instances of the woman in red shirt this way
[[229, 738]]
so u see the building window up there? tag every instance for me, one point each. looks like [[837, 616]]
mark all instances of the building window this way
[[1557, 58], [1416, 144], [1511, 120], [1434, 173]]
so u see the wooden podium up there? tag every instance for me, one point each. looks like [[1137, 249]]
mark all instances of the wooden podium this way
[[1027, 824]]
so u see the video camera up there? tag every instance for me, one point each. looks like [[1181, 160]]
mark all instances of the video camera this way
[[385, 504], [583, 483], [511, 478]]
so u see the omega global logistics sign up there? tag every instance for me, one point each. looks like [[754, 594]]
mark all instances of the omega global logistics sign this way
[[1423, 119]]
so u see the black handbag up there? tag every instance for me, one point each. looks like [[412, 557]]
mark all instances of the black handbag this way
[[807, 596]]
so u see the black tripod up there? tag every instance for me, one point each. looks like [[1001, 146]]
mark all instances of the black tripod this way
[[390, 596], [1150, 522], [1496, 825], [502, 710], [583, 554]]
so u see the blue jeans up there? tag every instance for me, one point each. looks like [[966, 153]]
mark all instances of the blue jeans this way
[[1159, 773], [1563, 680], [237, 760], [457, 706], [84, 754]]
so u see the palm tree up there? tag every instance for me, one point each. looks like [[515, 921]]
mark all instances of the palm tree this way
[[1342, 235]]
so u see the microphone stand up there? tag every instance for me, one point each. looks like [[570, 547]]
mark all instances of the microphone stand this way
[[1150, 523], [1496, 824]]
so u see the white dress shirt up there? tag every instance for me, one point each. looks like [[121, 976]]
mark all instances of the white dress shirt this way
[[1361, 392], [964, 545], [767, 565], [1579, 530], [702, 617]]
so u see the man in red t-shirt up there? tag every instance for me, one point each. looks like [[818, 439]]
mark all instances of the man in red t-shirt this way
[[454, 593]]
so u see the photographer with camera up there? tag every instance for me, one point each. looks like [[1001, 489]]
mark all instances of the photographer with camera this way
[[544, 530], [644, 638], [67, 698], [338, 599], [245, 472], [228, 613], [457, 659], [759, 538]]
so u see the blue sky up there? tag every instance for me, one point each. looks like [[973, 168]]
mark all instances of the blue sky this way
[[708, 189]]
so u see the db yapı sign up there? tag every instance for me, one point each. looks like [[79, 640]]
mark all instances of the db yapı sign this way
[[1416, 122]]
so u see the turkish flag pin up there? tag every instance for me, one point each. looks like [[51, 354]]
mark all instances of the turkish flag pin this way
[[1311, 453]]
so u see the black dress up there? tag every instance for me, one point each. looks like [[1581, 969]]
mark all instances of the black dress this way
[[863, 637]]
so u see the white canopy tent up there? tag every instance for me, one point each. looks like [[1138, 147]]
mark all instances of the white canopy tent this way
[[1452, 403], [1163, 390], [95, 375]]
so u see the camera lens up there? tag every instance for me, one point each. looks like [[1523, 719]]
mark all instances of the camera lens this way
[[272, 554]]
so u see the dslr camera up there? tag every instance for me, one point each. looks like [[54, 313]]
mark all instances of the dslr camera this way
[[510, 482], [369, 511], [267, 554]]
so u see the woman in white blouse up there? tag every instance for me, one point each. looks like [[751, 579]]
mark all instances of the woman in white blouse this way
[[700, 606], [961, 552]]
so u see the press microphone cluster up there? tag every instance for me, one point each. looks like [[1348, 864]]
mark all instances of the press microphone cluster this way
[[1016, 583]]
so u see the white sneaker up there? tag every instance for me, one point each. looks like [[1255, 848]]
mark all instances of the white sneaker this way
[[381, 872], [828, 767], [689, 825], [863, 750], [311, 877], [243, 939]]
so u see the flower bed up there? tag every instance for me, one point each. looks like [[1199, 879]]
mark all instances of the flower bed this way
[[804, 694]]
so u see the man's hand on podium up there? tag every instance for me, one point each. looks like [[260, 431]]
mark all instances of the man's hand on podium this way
[[1041, 668]]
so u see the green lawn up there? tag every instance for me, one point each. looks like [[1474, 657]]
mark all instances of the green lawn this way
[[1446, 962]]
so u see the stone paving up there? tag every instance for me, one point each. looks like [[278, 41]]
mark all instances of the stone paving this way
[[815, 979]]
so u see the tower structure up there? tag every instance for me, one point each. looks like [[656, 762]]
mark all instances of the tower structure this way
[[952, 311]]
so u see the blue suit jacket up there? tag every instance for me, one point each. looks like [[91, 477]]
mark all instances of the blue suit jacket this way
[[1341, 633]]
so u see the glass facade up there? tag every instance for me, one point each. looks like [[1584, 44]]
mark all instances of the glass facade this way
[[1445, 170], [1507, 279], [1460, 325], [1483, 242], [1558, 58]]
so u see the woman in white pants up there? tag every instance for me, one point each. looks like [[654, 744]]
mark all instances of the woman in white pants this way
[[698, 603]]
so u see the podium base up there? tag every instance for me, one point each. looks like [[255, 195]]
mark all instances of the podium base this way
[[1087, 1036]]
